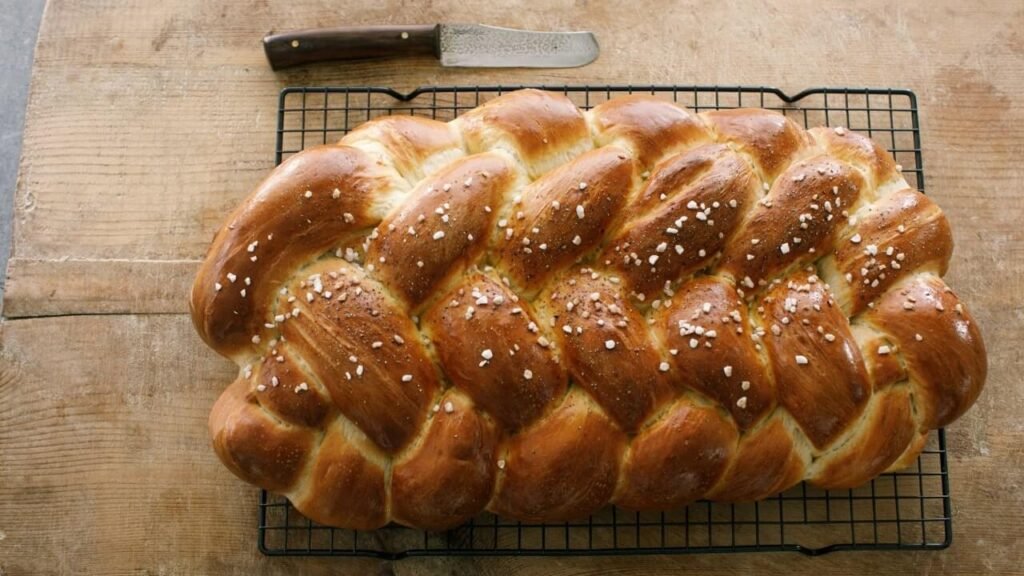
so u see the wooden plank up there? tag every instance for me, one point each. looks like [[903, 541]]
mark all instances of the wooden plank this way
[[106, 468], [57, 287]]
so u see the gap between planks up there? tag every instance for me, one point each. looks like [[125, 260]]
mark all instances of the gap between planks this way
[[47, 288]]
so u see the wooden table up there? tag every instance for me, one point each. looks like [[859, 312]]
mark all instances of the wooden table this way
[[149, 120]]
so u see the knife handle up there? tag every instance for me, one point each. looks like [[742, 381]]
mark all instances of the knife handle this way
[[350, 43]]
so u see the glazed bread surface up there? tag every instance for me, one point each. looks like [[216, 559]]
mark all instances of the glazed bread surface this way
[[538, 311]]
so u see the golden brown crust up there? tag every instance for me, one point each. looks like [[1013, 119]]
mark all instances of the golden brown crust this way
[[278, 378], [448, 478], [344, 487], [538, 128], [708, 328], [769, 138], [858, 150], [410, 144], [293, 214], [442, 229], [940, 344], [562, 215], [896, 236], [795, 222], [563, 468], [765, 463], [677, 460], [484, 340], [819, 373], [252, 445], [884, 369], [608, 348], [539, 311], [909, 456], [650, 128], [684, 217], [385, 388], [886, 431]]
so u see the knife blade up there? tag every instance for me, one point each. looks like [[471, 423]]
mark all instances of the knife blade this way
[[461, 45]]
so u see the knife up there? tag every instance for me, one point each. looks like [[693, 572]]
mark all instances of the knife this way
[[465, 45]]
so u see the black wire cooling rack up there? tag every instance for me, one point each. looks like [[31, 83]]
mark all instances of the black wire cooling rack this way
[[909, 509]]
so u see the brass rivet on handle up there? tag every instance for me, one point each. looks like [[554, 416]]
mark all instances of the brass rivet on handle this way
[[405, 35], [295, 43]]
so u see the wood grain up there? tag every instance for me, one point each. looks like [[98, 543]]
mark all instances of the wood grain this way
[[148, 122], [60, 287]]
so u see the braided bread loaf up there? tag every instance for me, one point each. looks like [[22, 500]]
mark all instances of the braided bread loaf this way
[[538, 311]]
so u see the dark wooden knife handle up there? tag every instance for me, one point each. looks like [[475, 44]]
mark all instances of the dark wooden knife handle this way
[[350, 43]]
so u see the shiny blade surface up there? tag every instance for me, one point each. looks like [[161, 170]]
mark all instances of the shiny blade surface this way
[[477, 45]]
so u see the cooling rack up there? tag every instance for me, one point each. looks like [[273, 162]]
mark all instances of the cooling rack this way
[[909, 509]]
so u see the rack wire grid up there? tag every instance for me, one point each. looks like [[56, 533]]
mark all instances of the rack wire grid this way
[[908, 509]]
